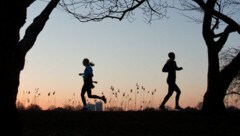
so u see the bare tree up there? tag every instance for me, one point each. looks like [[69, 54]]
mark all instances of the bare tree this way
[[218, 23], [13, 52]]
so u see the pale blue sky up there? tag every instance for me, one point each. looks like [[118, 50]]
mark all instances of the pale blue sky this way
[[124, 53]]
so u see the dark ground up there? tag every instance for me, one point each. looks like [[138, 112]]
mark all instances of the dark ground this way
[[141, 123]]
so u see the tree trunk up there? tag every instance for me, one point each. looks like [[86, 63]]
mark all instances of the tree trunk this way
[[12, 56], [218, 81], [213, 100], [13, 18]]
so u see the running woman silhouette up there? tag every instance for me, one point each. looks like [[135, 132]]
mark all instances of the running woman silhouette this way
[[88, 83]]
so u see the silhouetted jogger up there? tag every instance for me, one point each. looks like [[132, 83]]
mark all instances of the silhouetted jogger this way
[[171, 67], [88, 83]]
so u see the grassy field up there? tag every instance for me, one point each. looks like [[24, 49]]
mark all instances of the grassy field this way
[[134, 123]]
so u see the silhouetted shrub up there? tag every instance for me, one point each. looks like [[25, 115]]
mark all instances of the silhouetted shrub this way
[[34, 107], [68, 107], [52, 107]]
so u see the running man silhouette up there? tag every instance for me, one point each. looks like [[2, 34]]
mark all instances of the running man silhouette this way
[[88, 83], [171, 67]]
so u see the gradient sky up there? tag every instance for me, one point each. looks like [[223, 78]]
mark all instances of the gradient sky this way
[[124, 54]]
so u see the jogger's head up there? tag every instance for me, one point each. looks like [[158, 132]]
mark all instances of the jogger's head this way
[[171, 55], [86, 62]]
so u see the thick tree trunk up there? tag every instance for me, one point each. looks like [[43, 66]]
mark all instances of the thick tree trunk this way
[[214, 101], [214, 96], [13, 18], [218, 81], [12, 56]]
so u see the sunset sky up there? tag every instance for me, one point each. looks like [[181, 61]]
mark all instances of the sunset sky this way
[[124, 53]]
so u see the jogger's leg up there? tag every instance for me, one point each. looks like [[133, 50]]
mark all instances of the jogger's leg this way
[[169, 94], [82, 96], [89, 92], [178, 91]]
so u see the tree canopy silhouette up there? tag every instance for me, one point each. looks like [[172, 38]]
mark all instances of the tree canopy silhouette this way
[[94, 10]]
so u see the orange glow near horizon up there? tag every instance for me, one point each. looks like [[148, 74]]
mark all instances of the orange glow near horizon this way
[[131, 99]]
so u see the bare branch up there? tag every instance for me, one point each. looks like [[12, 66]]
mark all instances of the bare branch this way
[[97, 10], [221, 16], [224, 36], [36, 27]]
